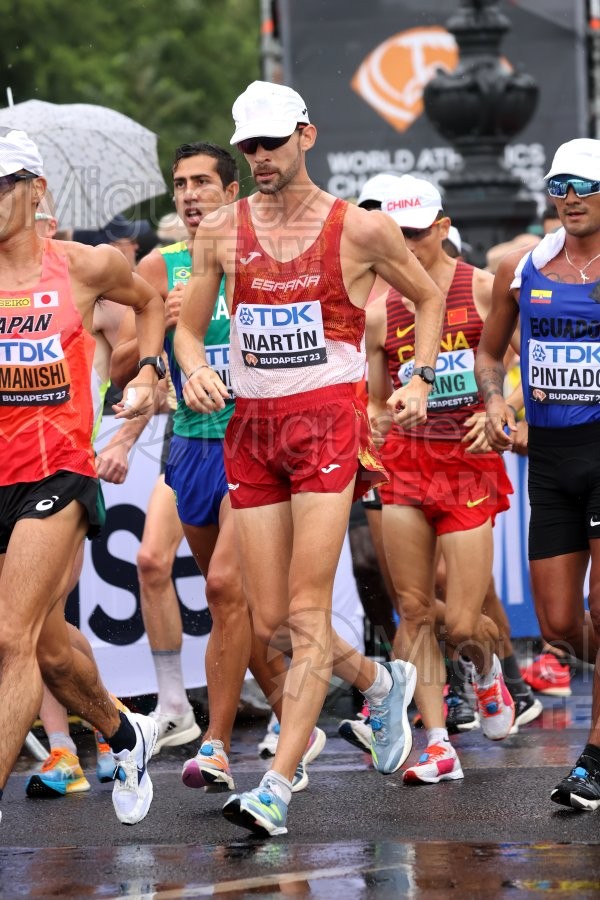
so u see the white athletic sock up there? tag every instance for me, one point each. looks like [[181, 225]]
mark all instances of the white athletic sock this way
[[436, 736], [380, 687], [172, 697], [278, 785], [216, 745], [486, 681], [60, 739]]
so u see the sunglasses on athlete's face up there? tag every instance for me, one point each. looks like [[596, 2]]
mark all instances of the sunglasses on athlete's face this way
[[583, 187], [7, 182], [417, 234], [250, 145]]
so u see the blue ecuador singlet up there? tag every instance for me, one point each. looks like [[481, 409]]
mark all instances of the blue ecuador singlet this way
[[560, 350], [186, 422]]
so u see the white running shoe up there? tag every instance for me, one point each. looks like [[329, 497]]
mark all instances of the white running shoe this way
[[268, 745], [174, 730], [132, 790], [438, 762], [316, 743]]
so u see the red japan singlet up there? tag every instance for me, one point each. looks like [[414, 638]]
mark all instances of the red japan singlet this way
[[46, 358], [293, 326], [455, 396]]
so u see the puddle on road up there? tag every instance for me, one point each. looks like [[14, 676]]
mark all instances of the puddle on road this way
[[270, 869]]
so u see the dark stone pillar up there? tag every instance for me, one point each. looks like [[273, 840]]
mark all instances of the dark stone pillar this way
[[479, 108]]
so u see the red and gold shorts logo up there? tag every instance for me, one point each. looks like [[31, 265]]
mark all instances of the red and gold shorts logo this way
[[392, 77]]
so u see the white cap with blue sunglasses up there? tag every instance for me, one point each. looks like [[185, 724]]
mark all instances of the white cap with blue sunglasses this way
[[580, 157]]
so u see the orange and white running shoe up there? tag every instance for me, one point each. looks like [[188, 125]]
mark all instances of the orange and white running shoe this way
[[209, 769], [438, 762], [60, 774], [495, 704]]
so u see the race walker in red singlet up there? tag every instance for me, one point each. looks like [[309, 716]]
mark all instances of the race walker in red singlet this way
[[297, 345], [430, 467], [46, 414]]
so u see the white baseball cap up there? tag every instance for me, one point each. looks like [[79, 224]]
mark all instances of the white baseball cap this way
[[378, 187], [580, 156], [267, 110], [413, 203], [18, 151], [455, 238]]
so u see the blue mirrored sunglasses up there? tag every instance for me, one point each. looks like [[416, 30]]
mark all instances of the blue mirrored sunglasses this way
[[558, 187]]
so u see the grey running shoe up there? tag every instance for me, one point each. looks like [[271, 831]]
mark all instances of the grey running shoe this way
[[391, 740], [261, 811]]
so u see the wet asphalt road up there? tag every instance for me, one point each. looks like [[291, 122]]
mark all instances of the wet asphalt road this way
[[353, 833]]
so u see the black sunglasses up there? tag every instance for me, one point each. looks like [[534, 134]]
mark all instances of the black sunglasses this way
[[417, 234], [7, 182], [250, 145]]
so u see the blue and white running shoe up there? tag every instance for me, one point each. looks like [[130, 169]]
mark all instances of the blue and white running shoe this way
[[391, 740], [260, 811]]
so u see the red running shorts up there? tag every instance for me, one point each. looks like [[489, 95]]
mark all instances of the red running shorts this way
[[455, 490], [317, 441]]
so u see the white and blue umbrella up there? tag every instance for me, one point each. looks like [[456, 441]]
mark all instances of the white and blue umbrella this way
[[97, 161]]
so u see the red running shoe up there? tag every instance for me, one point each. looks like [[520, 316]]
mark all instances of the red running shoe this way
[[547, 675]]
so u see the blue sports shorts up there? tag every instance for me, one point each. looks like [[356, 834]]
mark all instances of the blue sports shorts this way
[[196, 473]]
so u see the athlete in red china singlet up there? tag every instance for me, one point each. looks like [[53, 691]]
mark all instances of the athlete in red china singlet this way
[[444, 483], [48, 484], [299, 266]]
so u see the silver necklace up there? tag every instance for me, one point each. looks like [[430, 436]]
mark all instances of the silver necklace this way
[[584, 277]]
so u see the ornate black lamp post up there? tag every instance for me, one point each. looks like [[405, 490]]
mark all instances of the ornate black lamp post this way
[[478, 108]]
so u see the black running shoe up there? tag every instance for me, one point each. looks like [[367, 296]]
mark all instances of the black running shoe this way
[[527, 708], [357, 732], [460, 716], [581, 789]]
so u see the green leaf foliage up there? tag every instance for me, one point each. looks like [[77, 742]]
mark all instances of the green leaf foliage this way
[[175, 66]]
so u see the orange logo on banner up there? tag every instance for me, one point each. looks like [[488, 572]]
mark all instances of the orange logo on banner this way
[[392, 77]]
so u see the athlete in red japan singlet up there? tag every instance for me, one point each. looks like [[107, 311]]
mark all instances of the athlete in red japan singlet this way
[[46, 356], [48, 484], [299, 266]]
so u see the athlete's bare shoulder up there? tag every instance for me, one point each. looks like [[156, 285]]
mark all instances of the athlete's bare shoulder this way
[[508, 264], [96, 270], [372, 234], [153, 269], [361, 222]]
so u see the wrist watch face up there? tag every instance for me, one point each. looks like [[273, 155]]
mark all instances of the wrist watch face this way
[[156, 361], [426, 373]]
